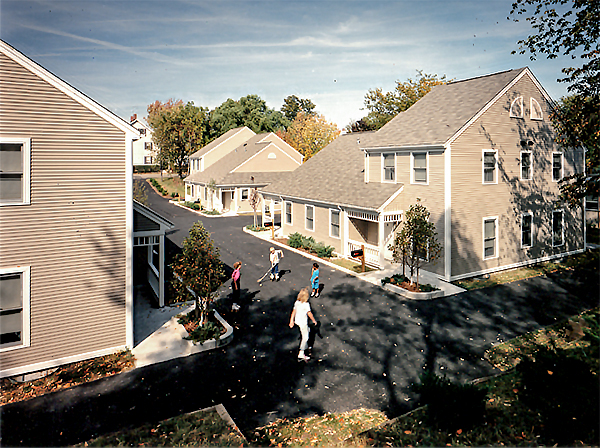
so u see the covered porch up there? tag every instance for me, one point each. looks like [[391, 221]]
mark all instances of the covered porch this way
[[373, 231]]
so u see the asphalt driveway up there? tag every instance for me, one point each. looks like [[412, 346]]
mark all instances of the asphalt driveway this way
[[374, 345]]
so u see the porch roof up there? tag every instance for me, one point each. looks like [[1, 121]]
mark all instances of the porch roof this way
[[335, 175]]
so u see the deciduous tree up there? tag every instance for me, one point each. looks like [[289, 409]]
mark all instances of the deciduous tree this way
[[178, 130], [198, 269], [416, 241], [292, 105], [251, 111], [309, 133], [383, 106], [571, 29]]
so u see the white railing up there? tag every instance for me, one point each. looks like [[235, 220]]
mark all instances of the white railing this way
[[371, 252]]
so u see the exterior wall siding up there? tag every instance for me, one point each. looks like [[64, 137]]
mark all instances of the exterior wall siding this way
[[472, 200], [321, 225], [73, 234], [262, 162]]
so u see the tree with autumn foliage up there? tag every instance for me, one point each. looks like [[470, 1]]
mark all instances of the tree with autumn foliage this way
[[309, 133], [383, 106], [198, 270], [178, 130], [570, 29]]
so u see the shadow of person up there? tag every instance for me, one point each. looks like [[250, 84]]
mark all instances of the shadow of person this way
[[313, 332], [282, 272], [321, 287]]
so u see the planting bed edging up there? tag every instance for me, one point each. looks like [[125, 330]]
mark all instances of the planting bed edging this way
[[212, 343], [414, 295]]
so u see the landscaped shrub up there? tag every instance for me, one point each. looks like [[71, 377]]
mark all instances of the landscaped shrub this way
[[145, 168], [395, 279], [202, 333], [256, 229], [451, 406], [298, 241], [192, 205], [174, 194], [564, 391]]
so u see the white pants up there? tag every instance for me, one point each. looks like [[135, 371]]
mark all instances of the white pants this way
[[304, 333]]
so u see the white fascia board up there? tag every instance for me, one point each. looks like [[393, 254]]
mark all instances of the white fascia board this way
[[316, 201], [390, 199], [487, 106], [226, 140], [428, 147], [448, 213], [68, 90]]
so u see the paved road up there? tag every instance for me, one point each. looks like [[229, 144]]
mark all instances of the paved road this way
[[375, 344]]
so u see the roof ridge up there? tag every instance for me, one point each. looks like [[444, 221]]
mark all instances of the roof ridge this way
[[488, 75]]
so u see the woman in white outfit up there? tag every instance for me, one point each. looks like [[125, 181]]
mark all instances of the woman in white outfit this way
[[300, 315]]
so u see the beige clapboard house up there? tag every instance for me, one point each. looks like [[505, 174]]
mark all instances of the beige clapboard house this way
[[237, 162], [66, 220], [481, 156]]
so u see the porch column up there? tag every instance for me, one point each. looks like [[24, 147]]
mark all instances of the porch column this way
[[345, 234], [161, 271], [381, 239]]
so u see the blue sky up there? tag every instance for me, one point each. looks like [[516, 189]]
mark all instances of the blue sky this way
[[127, 54]]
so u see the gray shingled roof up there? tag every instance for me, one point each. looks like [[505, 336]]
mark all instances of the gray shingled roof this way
[[441, 113], [215, 142], [220, 171], [335, 175]]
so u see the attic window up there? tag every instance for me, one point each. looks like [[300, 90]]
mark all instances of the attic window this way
[[535, 110], [272, 155], [516, 108]]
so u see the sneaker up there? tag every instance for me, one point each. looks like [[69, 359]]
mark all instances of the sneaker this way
[[317, 295], [272, 277], [303, 358], [277, 277], [312, 294]]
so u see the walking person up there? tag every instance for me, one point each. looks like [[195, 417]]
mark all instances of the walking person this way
[[300, 315], [275, 256], [235, 281], [314, 280]]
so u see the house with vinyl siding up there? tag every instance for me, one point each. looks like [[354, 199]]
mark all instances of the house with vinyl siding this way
[[144, 153], [66, 222], [256, 161], [479, 153]]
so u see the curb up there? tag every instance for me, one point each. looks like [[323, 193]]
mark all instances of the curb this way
[[220, 409]]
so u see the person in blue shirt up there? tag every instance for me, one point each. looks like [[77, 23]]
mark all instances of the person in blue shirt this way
[[314, 280]]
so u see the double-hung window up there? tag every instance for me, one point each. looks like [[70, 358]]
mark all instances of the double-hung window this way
[[558, 237], [310, 217], [288, 213], [14, 308], [14, 171], [490, 238], [489, 167], [334, 221], [244, 194], [148, 146], [557, 166], [526, 230], [419, 168], [526, 165], [389, 167]]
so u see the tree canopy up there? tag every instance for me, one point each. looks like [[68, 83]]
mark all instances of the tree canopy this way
[[570, 28], [292, 105], [178, 130], [251, 111], [309, 133], [383, 106]]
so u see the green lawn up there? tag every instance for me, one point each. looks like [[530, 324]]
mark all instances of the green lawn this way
[[172, 184], [349, 264], [585, 260]]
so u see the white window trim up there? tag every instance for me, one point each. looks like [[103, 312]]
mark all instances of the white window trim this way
[[26, 186], [26, 333], [242, 194], [412, 168], [383, 169], [306, 207], [531, 230], [519, 99], [489, 218], [562, 166], [562, 227], [291, 223], [331, 210], [532, 102], [530, 165], [495, 182]]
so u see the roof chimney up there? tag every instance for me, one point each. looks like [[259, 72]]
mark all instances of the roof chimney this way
[[133, 118]]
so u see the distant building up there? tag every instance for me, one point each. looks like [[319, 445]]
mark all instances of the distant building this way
[[144, 152]]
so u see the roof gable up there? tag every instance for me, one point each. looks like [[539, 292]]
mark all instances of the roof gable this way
[[67, 89], [443, 112], [222, 140]]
